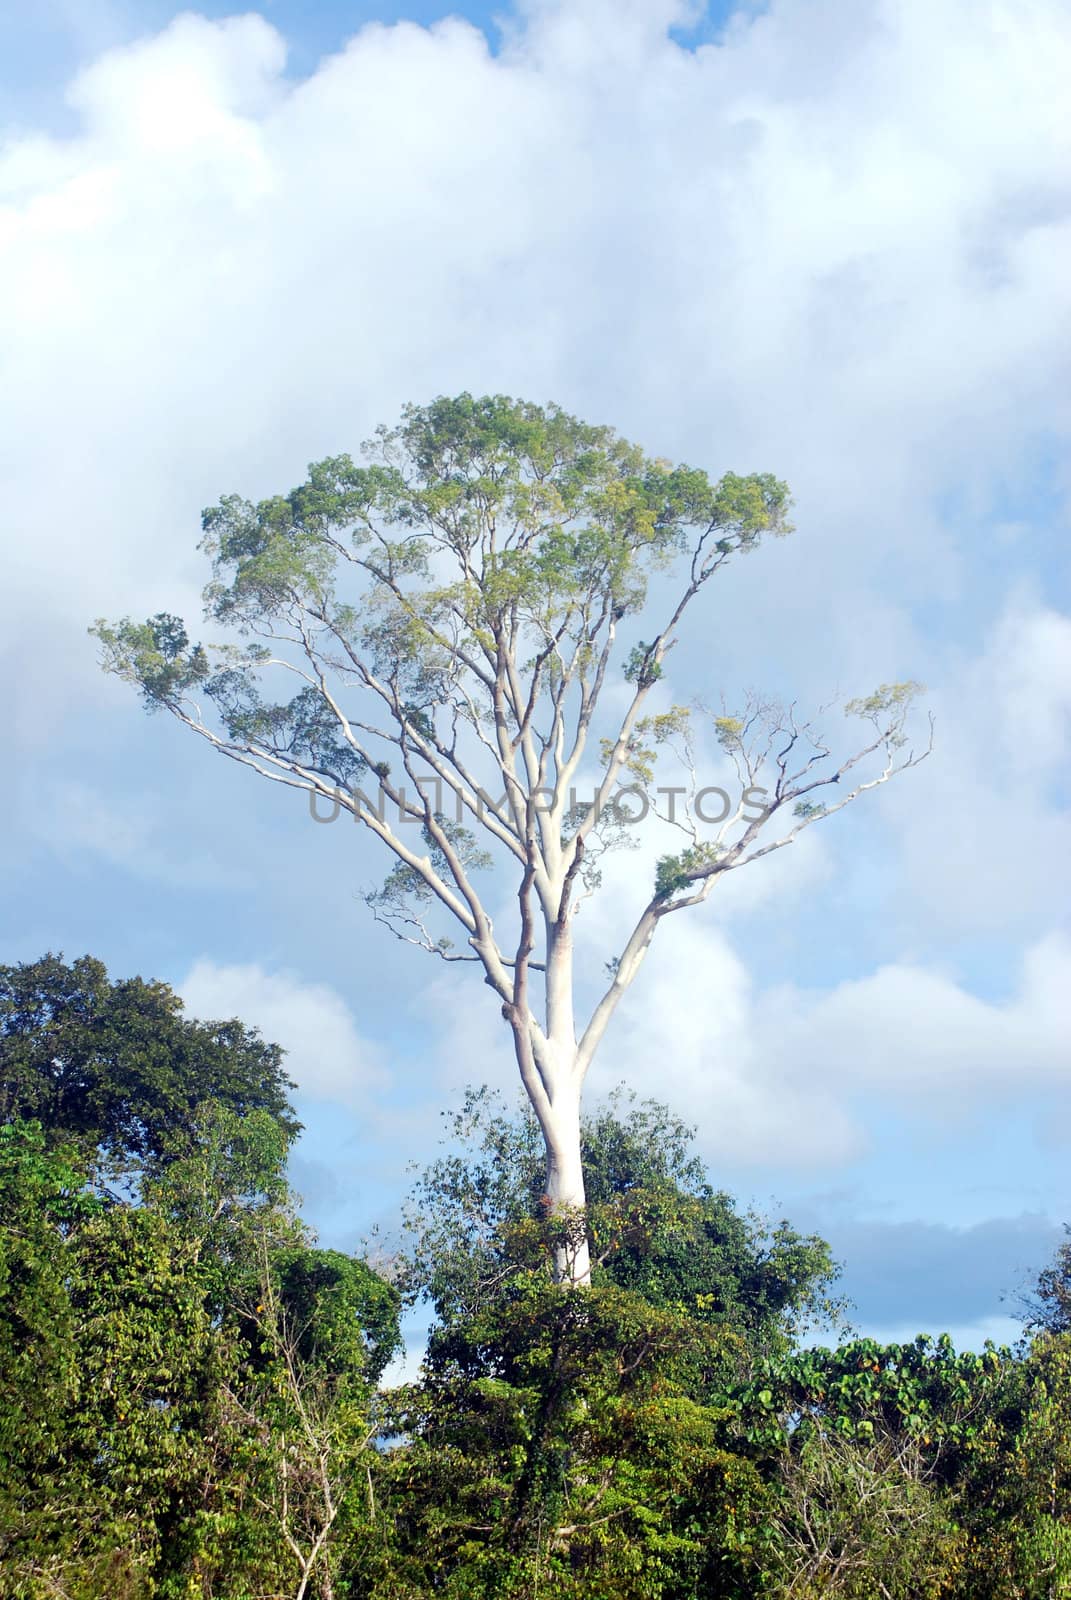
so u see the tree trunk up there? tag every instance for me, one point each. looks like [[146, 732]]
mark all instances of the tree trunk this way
[[565, 1196]]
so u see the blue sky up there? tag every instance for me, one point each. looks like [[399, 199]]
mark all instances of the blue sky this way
[[825, 240]]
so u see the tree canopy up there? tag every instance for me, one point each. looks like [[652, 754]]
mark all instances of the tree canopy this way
[[194, 1395], [115, 1068]]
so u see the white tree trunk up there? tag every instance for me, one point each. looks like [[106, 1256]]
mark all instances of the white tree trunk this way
[[565, 1184], [558, 1110]]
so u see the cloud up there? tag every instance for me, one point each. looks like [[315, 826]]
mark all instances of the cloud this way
[[833, 247], [1029, 670], [689, 1034], [326, 1054], [918, 1036], [789, 1076], [984, 831]]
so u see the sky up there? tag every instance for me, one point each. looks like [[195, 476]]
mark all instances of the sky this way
[[822, 239]]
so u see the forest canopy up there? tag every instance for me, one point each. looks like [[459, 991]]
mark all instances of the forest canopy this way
[[196, 1399]]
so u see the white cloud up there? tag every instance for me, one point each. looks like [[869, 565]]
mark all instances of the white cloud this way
[[691, 1034], [985, 834], [192, 98], [790, 1076], [1030, 672], [833, 245], [326, 1054], [918, 1036]]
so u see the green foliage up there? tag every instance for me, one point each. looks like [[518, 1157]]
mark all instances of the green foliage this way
[[186, 1381], [554, 1444], [673, 873], [912, 1467], [1016, 1482], [640, 668], [344, 1316], [887, 709], [155, 655], [113, 1307], [729, 732], [188, 1385], [806, 809], [648, 733], [116, 1069], [889, 697], [305, 729], [42, 1196], [921, 1390]]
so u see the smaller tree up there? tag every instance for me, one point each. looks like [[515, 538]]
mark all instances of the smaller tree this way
[[862, 1518], [107, 1443], [207, 1375], [888, 1467], [42, 1198], [319, 1329], [115, 1069], [1014, 1488]]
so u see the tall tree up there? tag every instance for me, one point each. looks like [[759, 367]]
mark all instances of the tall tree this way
[[450, 615]]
